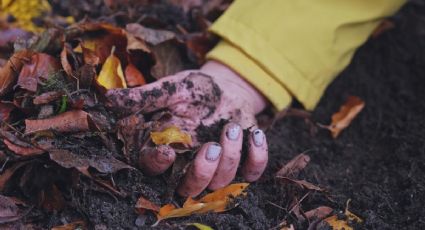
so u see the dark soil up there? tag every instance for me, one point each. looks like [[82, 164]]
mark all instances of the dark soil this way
[[378, 161]]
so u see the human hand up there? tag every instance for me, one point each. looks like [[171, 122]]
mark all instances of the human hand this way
[[203, 96]]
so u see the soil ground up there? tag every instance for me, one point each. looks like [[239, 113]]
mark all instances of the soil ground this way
[[378, 161]]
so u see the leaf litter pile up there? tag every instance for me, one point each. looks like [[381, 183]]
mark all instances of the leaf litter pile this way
[[68, 162]]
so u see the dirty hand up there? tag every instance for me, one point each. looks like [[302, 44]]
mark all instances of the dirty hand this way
[[202, 96]]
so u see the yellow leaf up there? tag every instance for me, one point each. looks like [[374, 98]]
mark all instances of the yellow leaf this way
[[24, 11], [111, 75], [200, 226], [342, 224], [345, 115], [217, 201], [172, 134]]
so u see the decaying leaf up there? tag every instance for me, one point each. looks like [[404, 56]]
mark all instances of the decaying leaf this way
[[103, 183], [343, 224], [318, 213], [5, 110], [217, 201], [40, 66], [102, 164], [342, 119], [71, 121], [10, 71], [200, 226], [170, 135], [151, 36], [294, 166], [167, 60], [80, 225], [21, 147], [111, 75], [47, 97], [145, 204], [8, 173], [303, 184]]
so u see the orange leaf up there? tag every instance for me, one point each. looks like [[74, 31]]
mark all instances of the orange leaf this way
[[170, 135], [71, 121], [71, 226], [343, 224], [217, 201], [111, 75], [345, 115], [133, 76]]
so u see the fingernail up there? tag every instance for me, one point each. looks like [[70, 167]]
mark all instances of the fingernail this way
[[233, 132], [213, 152], [258, 137]]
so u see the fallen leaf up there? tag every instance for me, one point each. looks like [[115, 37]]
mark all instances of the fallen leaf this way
[[8, 173], [342, 119], [200, 226], [131, 131], [145, 204], [5, 110], [8, 207], [171, 135], [303, 184], [134, 43], [66, 65], [90, 56], [20, 147], [198, 45], [10, 35], [318, 213], [25, 11], [133, 76], [217, 201], [103, 183], [294, 166], [71, 121], [47, 97], [151, 36], [10, 71], [187, 5], [40, 66], [103, 164], [167, 59], [51, 199], [76, 225], [343, 224], [111, 75]]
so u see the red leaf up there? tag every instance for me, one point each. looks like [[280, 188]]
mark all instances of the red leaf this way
[[133, 76]]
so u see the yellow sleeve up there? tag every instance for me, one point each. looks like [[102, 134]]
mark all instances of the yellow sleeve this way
[[295, 47]]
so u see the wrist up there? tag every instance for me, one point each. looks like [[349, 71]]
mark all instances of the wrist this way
[[227, 77]]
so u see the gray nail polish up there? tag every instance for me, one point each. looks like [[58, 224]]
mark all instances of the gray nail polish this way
[[213, 152], [258, 137], [233, 132]]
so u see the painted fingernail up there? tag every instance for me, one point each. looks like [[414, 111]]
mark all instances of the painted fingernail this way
[[213, 152], [258, 137], [233, 132]]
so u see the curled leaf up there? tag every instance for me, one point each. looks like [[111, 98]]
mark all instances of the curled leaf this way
[[342, 119], [111, 75], [297, 164], [145, 204], [217, 201], [170, 135], [71, 121], [9, 72]]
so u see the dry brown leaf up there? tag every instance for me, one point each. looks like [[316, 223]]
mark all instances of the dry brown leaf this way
[[303, 184], [23, 151], [318, 213], [342, 119], [167, 59], [90, 56], [170, 135], [40, 66], [102, 164], [103, 183], [294, 166], [133, 76], [145, 204], [71, 226], [65, 62], [151, 36], [71, 121], [10, 71], [111, 75], [217, 201], [134, 43], [47, 97], [51, 199]]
